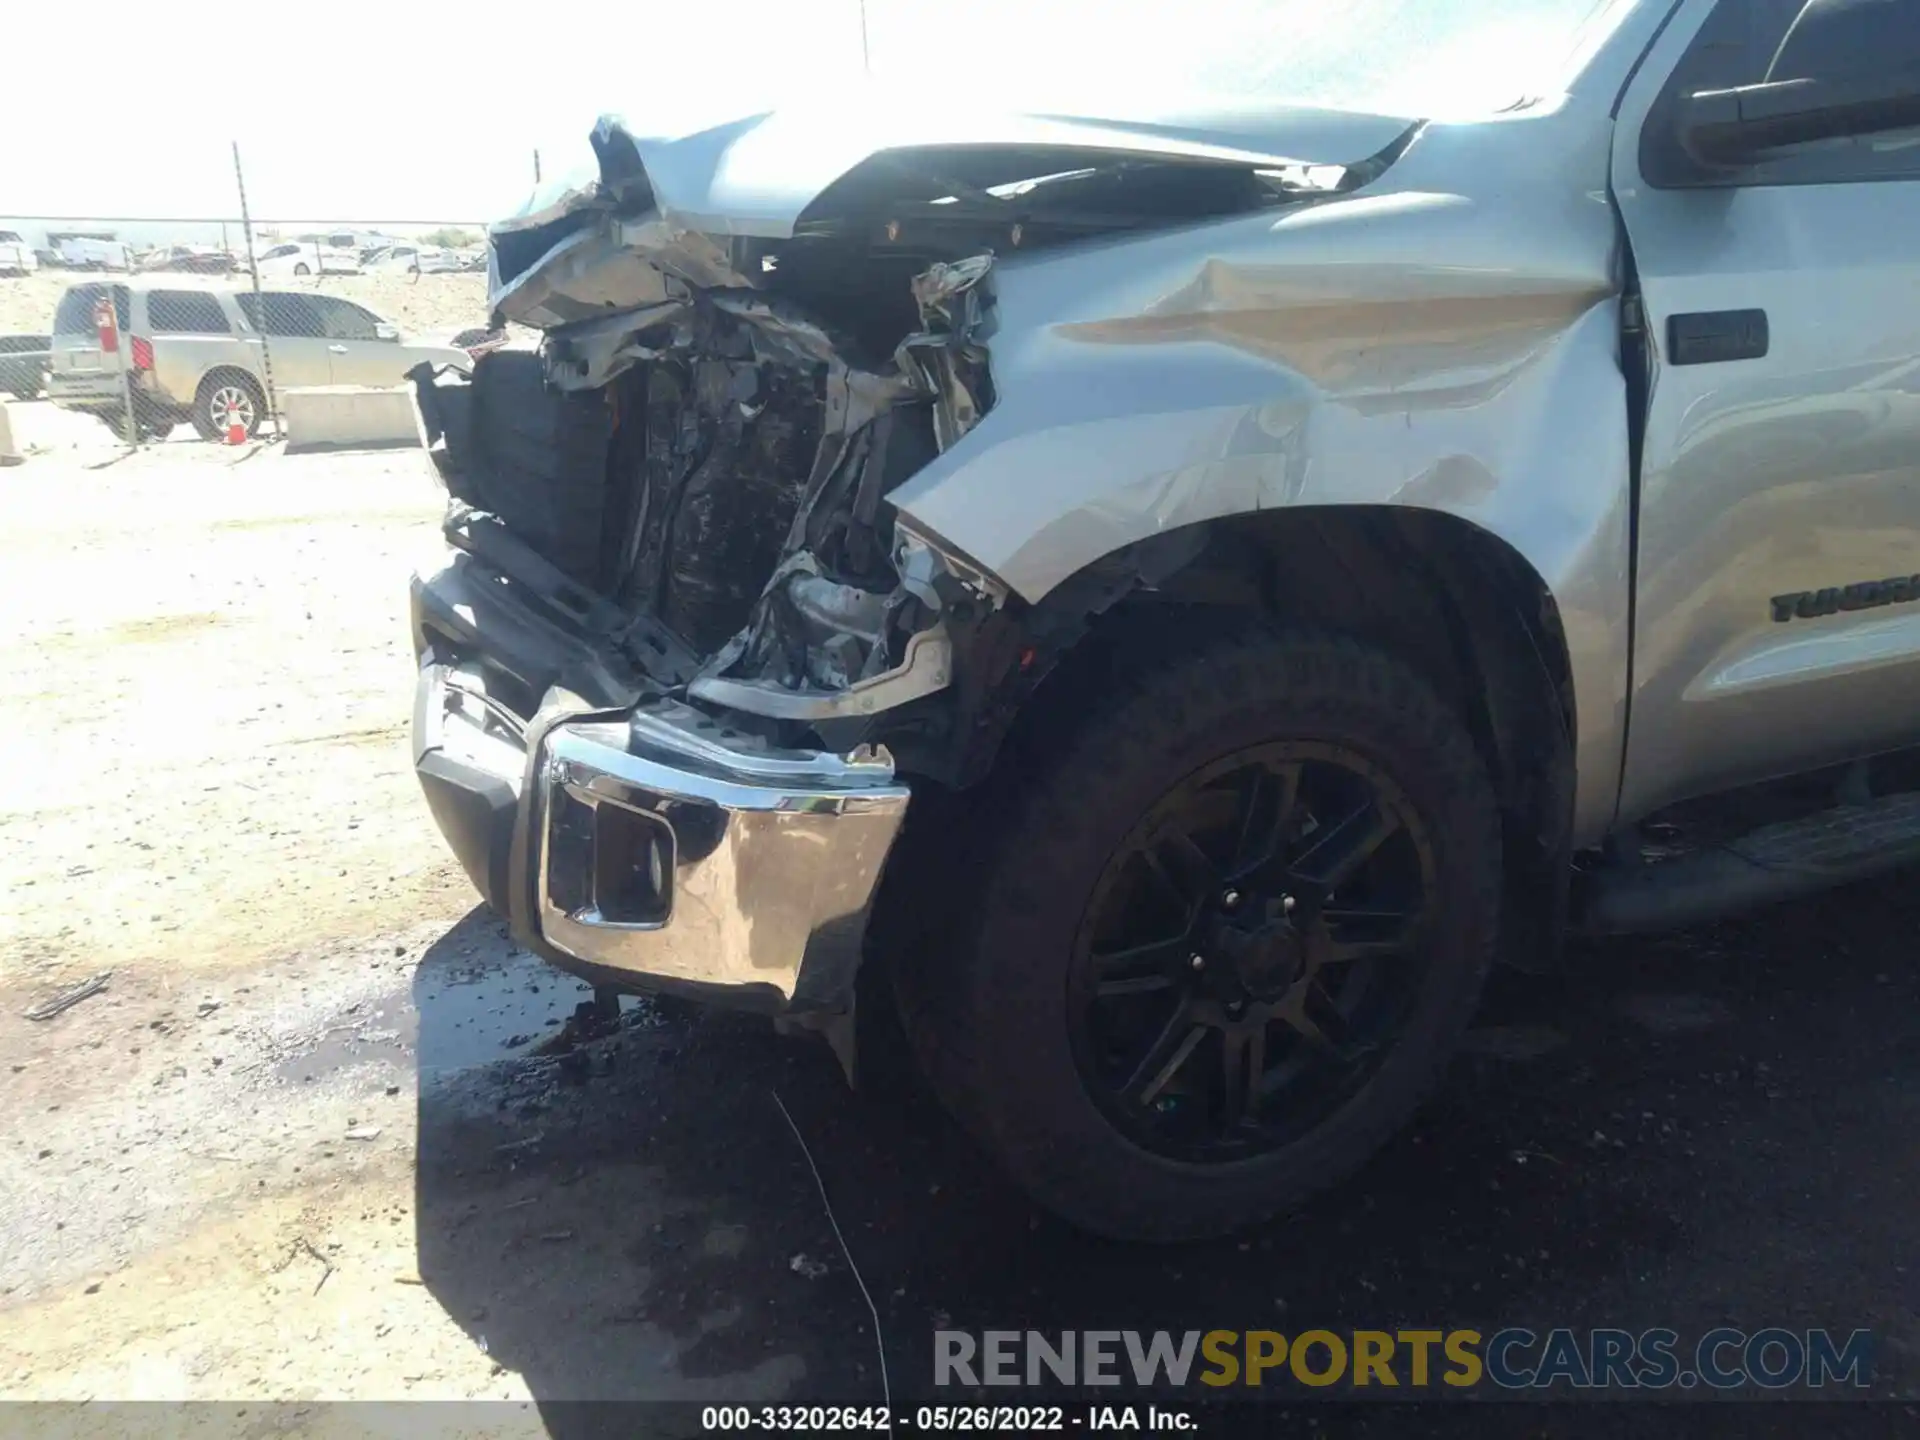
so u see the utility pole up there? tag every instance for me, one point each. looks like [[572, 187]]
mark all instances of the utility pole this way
[[866, 56], [536, 167]]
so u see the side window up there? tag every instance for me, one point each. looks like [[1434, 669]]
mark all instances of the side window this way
[[1756, 42], [274, 312], [185, 312], [342, 319]]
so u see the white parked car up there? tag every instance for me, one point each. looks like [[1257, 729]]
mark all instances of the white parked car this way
[[16, 255], [293, 260], [93, 252], [416, 260]]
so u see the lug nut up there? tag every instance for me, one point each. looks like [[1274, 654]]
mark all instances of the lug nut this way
[[1230, 899], [1287, 902], [1198, 962]]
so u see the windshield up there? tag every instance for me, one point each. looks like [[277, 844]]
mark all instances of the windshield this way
[[1424, 58]]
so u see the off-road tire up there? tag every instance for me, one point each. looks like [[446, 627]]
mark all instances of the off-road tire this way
[[988, 1019]]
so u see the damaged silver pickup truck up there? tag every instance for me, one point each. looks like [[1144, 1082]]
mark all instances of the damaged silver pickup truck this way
[[1170, 602]]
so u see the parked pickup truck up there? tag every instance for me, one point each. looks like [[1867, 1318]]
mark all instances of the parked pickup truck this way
[[1179, 597]]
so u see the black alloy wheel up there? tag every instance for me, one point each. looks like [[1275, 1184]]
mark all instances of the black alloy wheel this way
[[1251, 951], [1202, 948]]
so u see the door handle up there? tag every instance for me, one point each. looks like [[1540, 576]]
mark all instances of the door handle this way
[[337, 349]]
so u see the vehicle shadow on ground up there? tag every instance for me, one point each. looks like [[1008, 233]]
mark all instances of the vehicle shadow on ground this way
[[1700, 1130]]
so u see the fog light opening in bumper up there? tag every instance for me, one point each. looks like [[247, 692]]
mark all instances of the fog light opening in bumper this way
[[632, 866]]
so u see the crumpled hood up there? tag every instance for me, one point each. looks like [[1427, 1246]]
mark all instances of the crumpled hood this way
[[757, 176]]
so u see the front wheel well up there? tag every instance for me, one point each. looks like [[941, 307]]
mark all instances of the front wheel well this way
[[1452, 601], [221, 373]]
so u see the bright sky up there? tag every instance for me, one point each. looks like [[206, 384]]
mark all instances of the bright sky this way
[[375, 111]]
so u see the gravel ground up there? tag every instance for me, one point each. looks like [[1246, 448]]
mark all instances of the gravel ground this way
[[316, 1138]]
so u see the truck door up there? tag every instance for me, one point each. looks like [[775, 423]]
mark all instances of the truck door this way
[[1777, 614]]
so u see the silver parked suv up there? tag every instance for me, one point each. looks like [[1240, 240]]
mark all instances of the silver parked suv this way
[[194, 351]]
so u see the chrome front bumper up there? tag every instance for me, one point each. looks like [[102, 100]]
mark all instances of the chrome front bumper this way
[[658, 850]]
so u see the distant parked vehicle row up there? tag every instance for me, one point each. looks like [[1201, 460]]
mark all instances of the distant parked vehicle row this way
[[194, 352], [189, 260], [338, 254]]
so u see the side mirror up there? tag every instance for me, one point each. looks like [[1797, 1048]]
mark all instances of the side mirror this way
[[1731, 127], [384, 331]]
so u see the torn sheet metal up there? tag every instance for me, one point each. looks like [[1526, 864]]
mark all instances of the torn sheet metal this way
[[926, 666], [951, 367], [826, 641], [585, 275]]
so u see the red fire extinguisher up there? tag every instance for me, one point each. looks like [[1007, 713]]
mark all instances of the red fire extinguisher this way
[[106, 326]]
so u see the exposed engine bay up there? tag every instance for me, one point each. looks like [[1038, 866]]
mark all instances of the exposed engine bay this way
[[726, 480], [705, 440]]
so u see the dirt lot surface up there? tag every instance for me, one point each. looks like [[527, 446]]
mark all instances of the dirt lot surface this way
[[306, 1143], [429, 307]]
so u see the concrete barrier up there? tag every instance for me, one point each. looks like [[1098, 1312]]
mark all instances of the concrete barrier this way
[[8, 454], [347, 417]]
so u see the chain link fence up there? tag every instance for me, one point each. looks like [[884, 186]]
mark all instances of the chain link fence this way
[[185, 331]]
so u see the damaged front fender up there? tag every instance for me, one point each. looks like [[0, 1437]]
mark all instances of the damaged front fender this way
[[1448, 339]]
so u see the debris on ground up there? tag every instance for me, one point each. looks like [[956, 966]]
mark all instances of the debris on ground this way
[[807, 1266], [326, 1272], [65, 1001], [364, 1132]]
